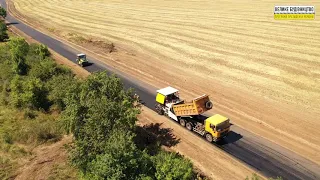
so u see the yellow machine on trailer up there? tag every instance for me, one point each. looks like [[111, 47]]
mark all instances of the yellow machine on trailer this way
[[188, 114]]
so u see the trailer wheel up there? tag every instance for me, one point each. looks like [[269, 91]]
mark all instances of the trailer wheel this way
[[182, 122], [189, 126], [159, 109], [209, 137], [209, 105]]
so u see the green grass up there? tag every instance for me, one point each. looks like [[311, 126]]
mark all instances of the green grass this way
[[7, 168], [63, 171], [27, 127]]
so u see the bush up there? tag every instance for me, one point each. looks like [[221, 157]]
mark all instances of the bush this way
[[3, 12], [37, 52], [60, 87], [29, 114], [3, 32], [46, 69], [42, 51], [120, 160], [29, 93], [19, 49], [170, 166]]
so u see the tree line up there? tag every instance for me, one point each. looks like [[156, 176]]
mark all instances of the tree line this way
[[98, 111]]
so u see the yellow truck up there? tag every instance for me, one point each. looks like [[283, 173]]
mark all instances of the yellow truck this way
[[188, 114]]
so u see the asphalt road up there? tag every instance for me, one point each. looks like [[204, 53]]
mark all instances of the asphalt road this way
[[262, 155]]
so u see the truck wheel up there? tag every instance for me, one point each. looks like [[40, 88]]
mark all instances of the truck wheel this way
[[182, 122], [189, 126], [209, 137], [209, 105]]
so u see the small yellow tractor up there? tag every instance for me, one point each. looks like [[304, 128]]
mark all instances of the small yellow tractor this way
[[82, 60]]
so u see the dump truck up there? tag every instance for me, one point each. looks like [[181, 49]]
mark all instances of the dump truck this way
[[82, 59], [189, 114]]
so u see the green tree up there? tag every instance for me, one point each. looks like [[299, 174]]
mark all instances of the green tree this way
[[46, 69], [34, 94], [37, 52], [169, 166], [19, 49], [93, 111], [3, 12], [3, 32], [60, 87], [6, 73], [16, 89], [28, 92], [121, 159], [42, 51], [98, 89]]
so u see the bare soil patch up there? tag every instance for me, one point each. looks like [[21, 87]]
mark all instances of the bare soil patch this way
[[45, 158]]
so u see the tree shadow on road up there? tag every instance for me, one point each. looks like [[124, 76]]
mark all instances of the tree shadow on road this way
[[152, 137]]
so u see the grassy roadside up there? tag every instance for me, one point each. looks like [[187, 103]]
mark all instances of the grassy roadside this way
[[24, 127]]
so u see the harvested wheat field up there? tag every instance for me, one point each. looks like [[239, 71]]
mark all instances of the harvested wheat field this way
[[262, 73]]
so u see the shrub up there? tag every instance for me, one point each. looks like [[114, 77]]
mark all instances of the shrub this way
[[3, 12], [171, 166], [3, 32], [29, 93], [19, 49], [60, 87]]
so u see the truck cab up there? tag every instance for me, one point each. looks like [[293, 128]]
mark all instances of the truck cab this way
[[216, 127]]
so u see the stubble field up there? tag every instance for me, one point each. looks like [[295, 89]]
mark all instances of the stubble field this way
[[210, 45]]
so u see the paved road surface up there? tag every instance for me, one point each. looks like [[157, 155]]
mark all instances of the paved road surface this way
[[262, 155]]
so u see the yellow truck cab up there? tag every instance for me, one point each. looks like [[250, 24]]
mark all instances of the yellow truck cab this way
[[216, 127]]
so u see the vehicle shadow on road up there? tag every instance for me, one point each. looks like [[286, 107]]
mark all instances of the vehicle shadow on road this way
[[231, 138], [88, 64], [153, 136], [11, 23]]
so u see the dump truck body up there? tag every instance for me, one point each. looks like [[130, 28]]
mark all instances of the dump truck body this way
[[197, 106]]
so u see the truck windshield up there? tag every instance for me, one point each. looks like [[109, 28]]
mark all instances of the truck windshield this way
[[223, 125]]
